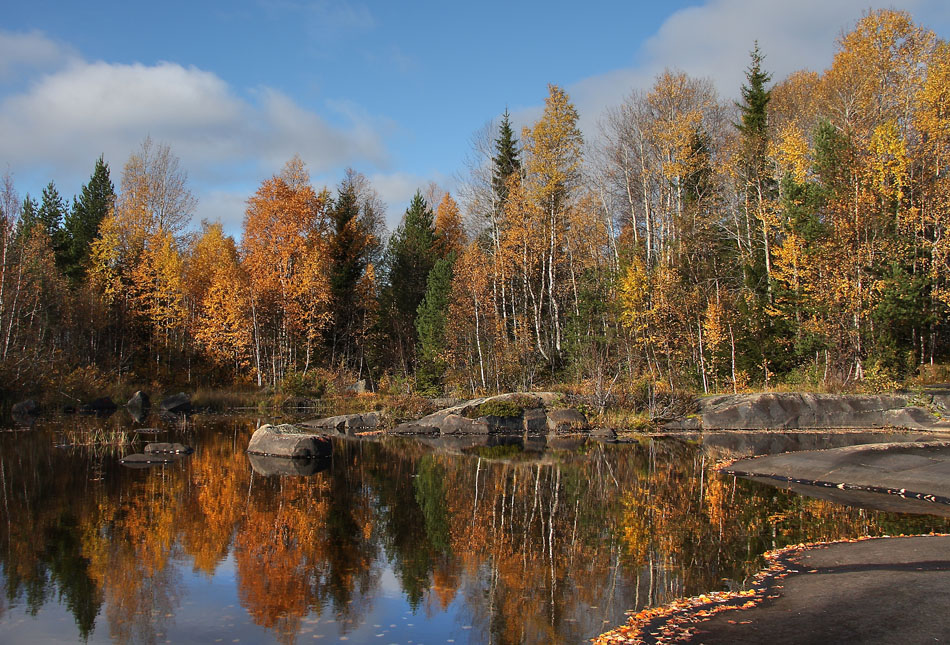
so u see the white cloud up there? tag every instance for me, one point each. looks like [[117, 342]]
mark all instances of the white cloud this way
[[714, 40], [29, 51], [68, 116]]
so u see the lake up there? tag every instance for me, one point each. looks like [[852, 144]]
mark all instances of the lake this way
[[393, 540]]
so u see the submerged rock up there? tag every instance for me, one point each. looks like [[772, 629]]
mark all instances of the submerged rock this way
[[168, 448], [147, 460], [288, 441]]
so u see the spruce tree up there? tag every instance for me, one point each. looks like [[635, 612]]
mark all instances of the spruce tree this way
[[430, 326], [29, 218], [82, 222], [411, 256], [51, 214], [348, 246], [506, 161], [755, 98]]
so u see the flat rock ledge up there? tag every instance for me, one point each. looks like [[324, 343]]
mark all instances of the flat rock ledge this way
[[529, 414], [792, 411], [288, 441]]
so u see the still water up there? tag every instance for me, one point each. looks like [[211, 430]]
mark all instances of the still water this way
[[390, 541]]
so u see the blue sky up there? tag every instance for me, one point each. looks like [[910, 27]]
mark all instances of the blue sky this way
[[395, 90]]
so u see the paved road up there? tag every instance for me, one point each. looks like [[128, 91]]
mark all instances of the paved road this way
[[889, 590]]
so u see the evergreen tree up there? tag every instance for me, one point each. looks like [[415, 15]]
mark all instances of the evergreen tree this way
[[50, 217], [755, 98], [411, 256], [506, 162], [430, 325], [82, 223], [29, 217], [347, 250]]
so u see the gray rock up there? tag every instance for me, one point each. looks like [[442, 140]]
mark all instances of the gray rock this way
[[28, 407], [176, 404], [147, 460], [358, 388], [169, 448], [414, 429], [139, 406], [797, 411], [604, 434], [504, 424], [535, 421], [453, 424], [566, 421], [349, 424], [288, 441]]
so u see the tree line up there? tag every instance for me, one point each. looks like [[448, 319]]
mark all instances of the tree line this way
[[796, 235]]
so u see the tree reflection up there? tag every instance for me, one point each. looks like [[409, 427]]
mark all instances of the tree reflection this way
[[527, 547]]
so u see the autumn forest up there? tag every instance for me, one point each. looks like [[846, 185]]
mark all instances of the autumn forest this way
[[795, 236]]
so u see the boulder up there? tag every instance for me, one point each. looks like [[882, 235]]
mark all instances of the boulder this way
[[452, 424], [503, 424], [288, 441], [102, 406], [348, 424], [414, 429], [168, 448], [281, 466], [535, 421], [357, 388], [139, 406], [176, 404], [566, 421], [604, 434], [28, 407]]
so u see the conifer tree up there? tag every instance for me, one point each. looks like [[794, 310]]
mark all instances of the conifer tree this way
[[506, 161], [412, 254], [347, 248], [50, 218], [430, 325], [29, 217], [82, 222]]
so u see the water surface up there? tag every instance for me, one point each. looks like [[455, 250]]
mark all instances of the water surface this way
[[389, 541]]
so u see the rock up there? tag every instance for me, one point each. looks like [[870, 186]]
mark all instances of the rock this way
[[139, 406], [566, 421], [287, 441], [102, 406], [281, 466], [147, 460], [29, 407], [414, 429], [170, 448], [176, 404], [348, 424], [535, 421], [565, 442], [604, 434], [785, 411], [357, 388], [504, 424], [548, 399], [452, 424]]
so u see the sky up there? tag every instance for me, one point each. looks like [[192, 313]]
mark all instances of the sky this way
[[394, 90]]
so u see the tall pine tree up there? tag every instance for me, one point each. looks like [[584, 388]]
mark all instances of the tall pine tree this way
[[430, 325], [505, 162], [348, 247], [82, 223], [411, 256]]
